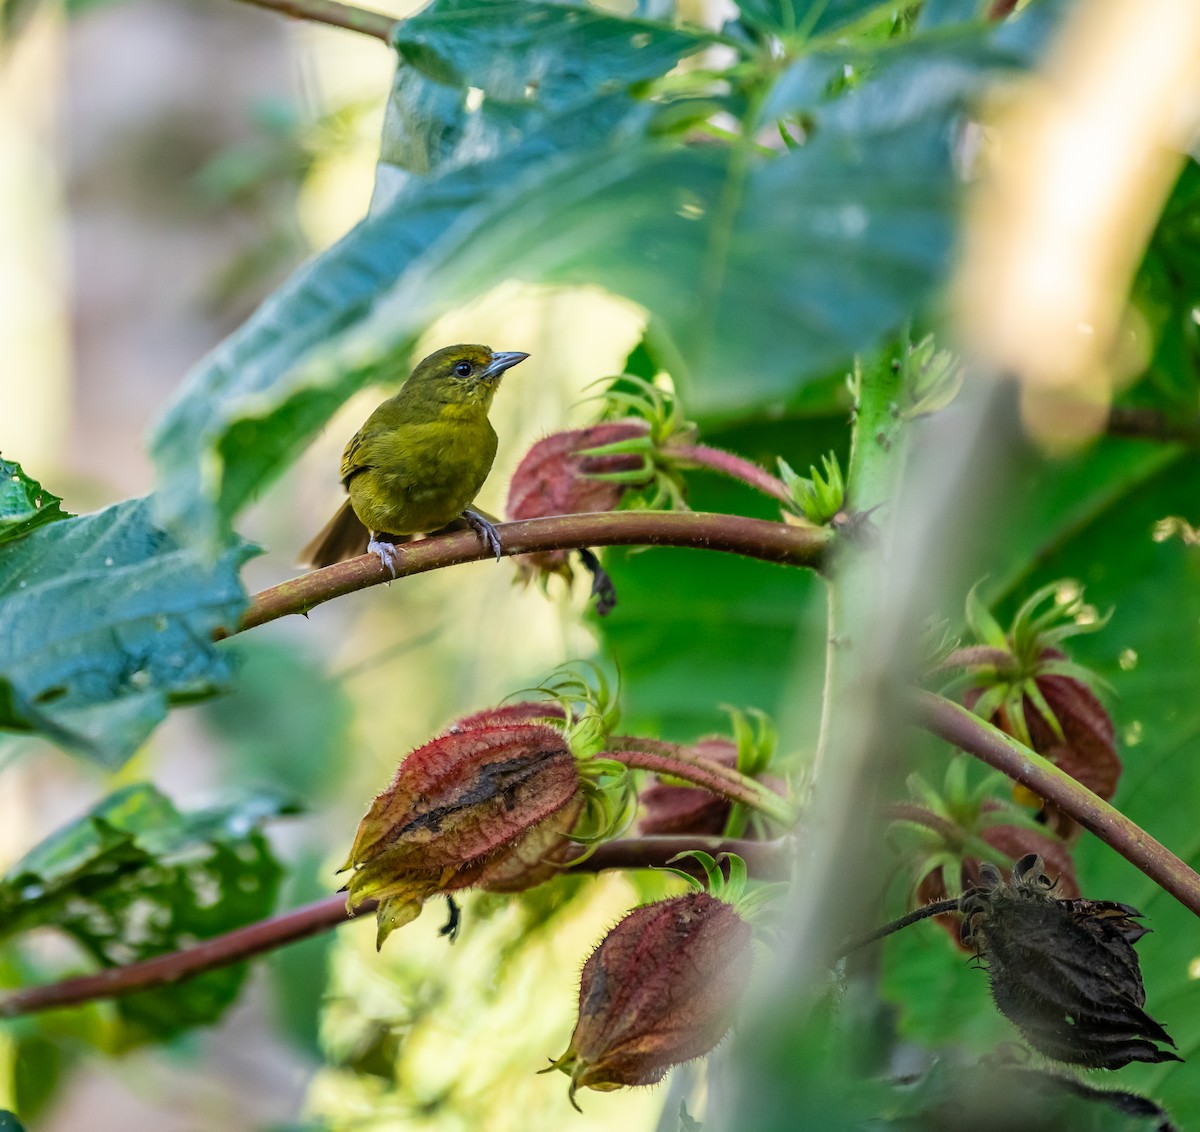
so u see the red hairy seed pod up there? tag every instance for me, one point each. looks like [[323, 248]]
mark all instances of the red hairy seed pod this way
[[459, 806], [537, 857], [661, 989], [523, 711], [1086, 750], [553, 479]]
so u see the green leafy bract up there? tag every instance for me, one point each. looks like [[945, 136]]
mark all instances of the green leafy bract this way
[[135, 878], [104, 621], [24, 503]]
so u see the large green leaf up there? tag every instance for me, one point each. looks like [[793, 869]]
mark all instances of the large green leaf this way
[[105, 620], [135, 878], [24, 503], [478, 76], [758, 272]]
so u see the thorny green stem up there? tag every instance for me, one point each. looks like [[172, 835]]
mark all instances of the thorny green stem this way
[[733, 534], [334, 14], [877, 454], [853, 752], [727, 464], [992, 746], [674, 760], [766, 859]]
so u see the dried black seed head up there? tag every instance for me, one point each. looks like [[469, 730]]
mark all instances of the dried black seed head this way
[[1063, 971]]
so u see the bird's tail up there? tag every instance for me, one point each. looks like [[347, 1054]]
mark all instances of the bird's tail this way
[[344, 536]]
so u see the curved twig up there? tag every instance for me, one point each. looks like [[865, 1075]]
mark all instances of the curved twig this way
[[732, 534], [735, 467], [765, 859], [990, 745], [937, 908], [336, 15]]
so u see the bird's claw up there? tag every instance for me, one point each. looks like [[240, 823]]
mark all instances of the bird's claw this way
[[486, 531], [384, 551]]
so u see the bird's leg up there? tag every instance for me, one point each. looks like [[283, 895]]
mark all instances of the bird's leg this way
[[384, 551], [450, 928], [486, 531]]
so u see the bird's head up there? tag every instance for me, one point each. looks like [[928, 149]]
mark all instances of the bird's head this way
[[462, 374]]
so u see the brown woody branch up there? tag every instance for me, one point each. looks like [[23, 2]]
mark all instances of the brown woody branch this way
[[732, 534], [767, 859], [1135, 423], [334, 14], [977, 737], [676, 761], [735, 467]]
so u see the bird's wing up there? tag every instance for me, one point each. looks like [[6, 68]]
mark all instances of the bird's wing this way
[[357, 456]]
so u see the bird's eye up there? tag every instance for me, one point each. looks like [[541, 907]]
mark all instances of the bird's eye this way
[[464, 369]]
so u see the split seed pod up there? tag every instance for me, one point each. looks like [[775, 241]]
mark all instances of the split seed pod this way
[[461, 807], [1063, 971], [660, 989]]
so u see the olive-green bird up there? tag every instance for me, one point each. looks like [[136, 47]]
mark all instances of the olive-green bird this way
[[420, 459]]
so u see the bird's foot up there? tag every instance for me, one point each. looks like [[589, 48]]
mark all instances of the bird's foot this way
[[486, 531], [384, 551]]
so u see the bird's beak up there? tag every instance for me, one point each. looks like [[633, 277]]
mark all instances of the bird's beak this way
[[501, 362]]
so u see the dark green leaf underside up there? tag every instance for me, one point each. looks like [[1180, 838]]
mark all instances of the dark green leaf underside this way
[[104, 621], [135, 878]]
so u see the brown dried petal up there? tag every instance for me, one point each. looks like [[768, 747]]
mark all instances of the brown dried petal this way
[[1063, 971], [1015, 842], [660, 989], [553, 479], [455, 804]]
